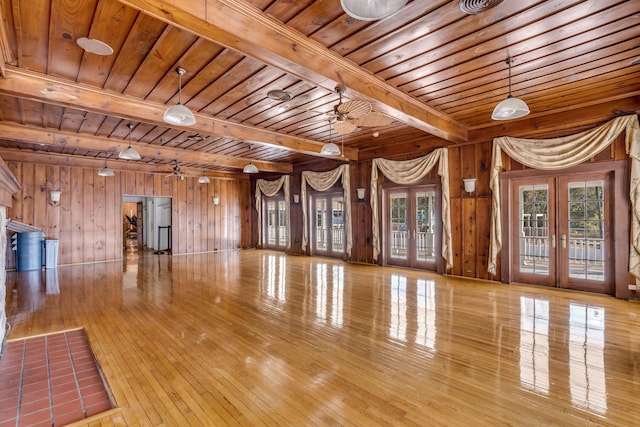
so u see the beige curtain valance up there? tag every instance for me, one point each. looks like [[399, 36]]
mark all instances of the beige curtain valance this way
[[270, 189], [557, 153], [323, 181], [409, 172]]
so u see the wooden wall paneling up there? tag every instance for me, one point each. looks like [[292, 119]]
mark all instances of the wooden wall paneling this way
[[28, 189], [129, 184], [204, 207], [100, 216], [467, 167], [188, 186], [234, 214], [52, 231], [216, 216], [89, 215], [181, 237], [41, 199], [620, 148], [141, 181], [149, 185], [469, 237], [211, 216], [197, 215], [66, 221], [483, 231], [112, 213], [14, 212], [296, 214], [482, 157], [77, 216], [225, 200], [456, 235], [158, 187]]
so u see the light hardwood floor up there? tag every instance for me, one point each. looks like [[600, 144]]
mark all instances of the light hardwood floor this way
[[260, 338]]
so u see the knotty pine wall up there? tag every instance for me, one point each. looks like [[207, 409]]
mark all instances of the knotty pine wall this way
[[88, 218]]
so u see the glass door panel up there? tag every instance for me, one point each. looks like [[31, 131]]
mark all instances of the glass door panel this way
[[321, 225], [282, 224], [397, 230], [272, 230], [425, 226], [337, 225]]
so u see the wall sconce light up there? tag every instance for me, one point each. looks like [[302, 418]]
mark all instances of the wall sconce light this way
[[216, 200], [55, 196], [469, 185], [360, 192], [296, 198]]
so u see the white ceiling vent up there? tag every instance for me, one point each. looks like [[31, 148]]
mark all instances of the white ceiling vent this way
[[472, 7]]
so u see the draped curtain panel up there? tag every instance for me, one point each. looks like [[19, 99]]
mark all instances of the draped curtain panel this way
[[409, 172], [270, 189], [558, 153], [323, 181]]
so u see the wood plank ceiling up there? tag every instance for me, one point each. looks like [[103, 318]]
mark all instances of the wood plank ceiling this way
[[435, 70]]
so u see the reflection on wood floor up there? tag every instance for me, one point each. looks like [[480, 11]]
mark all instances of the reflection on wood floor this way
[[259, 338]]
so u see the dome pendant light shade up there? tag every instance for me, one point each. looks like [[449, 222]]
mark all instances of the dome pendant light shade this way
[[330, 149], [204, 180], [510, 108], [106, 171], [129, 153], [179, 115], [371, 10], [250, 168]]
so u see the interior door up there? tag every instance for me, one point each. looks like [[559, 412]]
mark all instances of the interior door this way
[[411, 231], [562, 234]]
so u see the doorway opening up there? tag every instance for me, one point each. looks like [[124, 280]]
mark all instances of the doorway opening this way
[[146, 223]]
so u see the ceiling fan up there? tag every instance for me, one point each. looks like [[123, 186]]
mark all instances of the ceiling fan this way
[[176, 171], [351, 115]]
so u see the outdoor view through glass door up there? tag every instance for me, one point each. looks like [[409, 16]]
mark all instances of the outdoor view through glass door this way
[[561, 237], [327, 229], [275, 223], [412, 231]]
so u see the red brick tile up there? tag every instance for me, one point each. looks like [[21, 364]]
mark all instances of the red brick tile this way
[[8, 422], [36, 418], [64, 408], [65, 397], [68, 418], [95, 398], [31, 387], [31, 407], [62, 381], [35, 395]]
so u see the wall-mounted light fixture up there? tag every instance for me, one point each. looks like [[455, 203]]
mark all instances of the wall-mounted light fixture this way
[[216, 200], [55, 196], [296, 198], [360, 193], [469, 185]]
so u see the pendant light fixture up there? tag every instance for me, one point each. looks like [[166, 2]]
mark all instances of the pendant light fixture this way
[[204, 179], [510, 108], [129, 153], [178, 114], [106, 170], [330, 149], [250, 168], [371, 10]]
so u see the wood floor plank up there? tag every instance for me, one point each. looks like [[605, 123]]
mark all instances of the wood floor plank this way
[[260, 338]]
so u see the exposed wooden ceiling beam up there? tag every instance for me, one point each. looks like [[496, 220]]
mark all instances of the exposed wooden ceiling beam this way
[[240, 26], [20, 155], [113, 146], [39, 87]]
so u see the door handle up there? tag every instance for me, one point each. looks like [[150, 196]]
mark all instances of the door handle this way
[[563, 239], [553, 241]]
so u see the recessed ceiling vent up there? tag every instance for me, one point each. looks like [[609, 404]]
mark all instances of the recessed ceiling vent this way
[[472, 7], [280, 95]]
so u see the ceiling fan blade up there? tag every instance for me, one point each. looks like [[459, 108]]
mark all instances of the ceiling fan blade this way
[[374, 119], [354, 109], [344, 127]]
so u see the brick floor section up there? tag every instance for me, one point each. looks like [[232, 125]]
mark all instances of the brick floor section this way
[[50, 380]]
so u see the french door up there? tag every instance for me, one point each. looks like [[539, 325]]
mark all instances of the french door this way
[[327, 225], [412, 230], [561, 234], [274, 223]]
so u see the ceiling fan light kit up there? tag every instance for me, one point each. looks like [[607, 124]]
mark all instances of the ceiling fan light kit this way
[[371, 10], [510, 108], [179, 115], [129, 153]]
